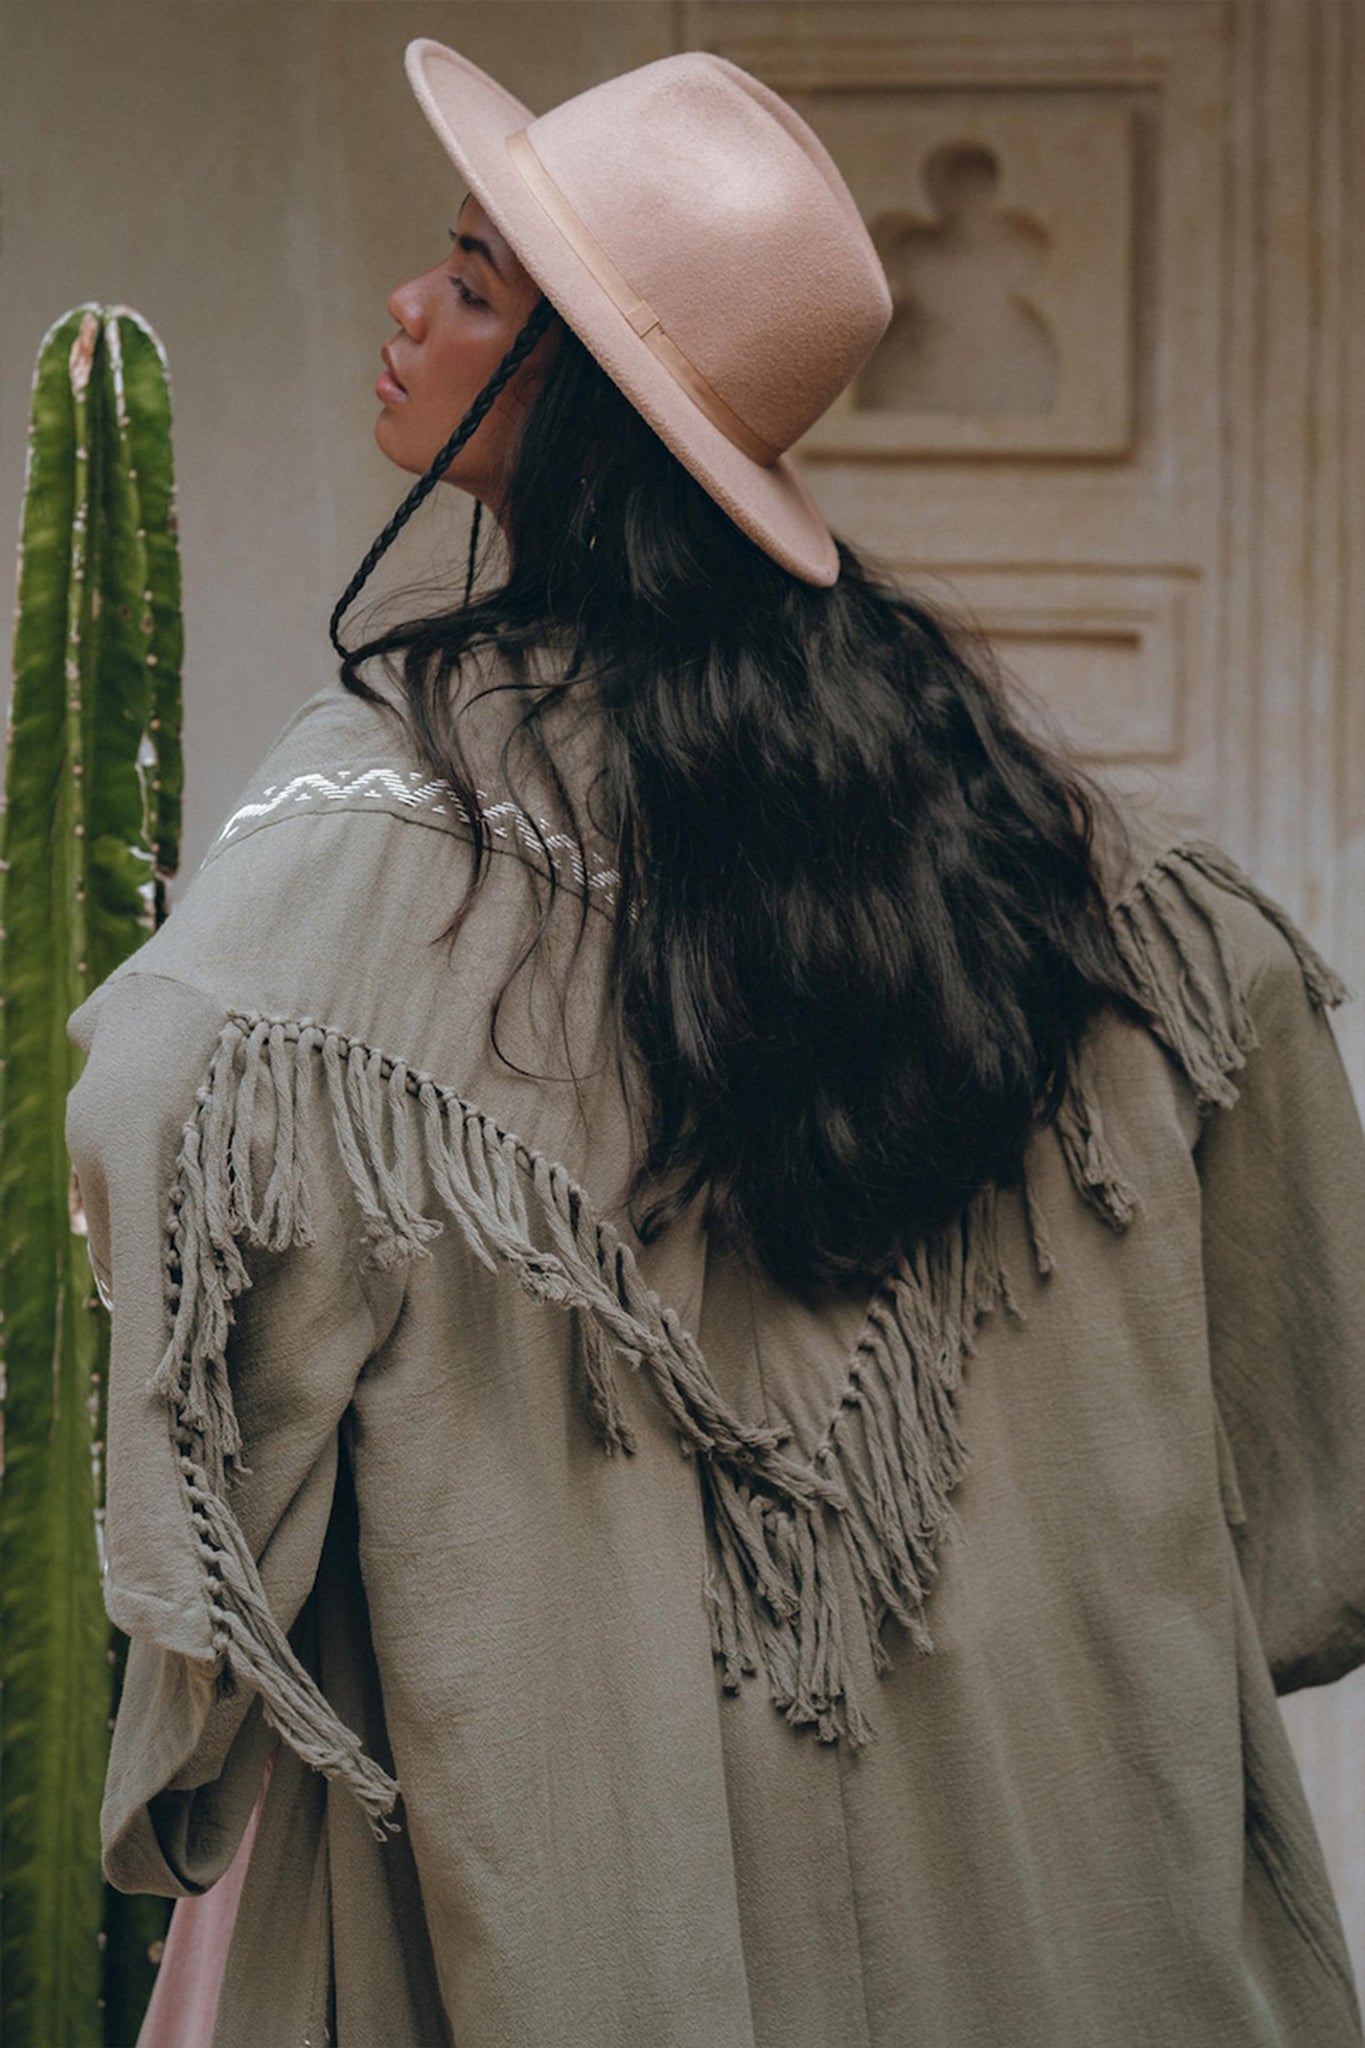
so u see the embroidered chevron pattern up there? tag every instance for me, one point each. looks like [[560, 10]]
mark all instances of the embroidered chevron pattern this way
[[506, 821]]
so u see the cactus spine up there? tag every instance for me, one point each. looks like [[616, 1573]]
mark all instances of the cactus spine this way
[[91, 831]]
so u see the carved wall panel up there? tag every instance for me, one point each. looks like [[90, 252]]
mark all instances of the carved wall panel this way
[[1104, 653], [1047, 189], [1013, 319]]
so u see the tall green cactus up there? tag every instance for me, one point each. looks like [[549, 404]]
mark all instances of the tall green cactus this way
[[91, 831]]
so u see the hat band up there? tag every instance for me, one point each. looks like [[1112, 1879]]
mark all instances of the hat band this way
[[637, 311]]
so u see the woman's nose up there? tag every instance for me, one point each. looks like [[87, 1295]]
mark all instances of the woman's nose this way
[[405, 307]]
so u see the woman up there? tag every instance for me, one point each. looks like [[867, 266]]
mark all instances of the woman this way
[[667, 1004]]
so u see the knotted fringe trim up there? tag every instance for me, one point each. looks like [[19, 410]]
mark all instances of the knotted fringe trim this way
[[1200, 1013], [1203, 1018], [213, 1208], [1095, 1172], [875, 1496], [895, 1451], [376, 1109]]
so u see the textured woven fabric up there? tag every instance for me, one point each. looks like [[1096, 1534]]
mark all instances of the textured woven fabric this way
[[647, 1657]]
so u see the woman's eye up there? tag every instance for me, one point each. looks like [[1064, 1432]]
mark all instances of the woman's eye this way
[[469, 297]]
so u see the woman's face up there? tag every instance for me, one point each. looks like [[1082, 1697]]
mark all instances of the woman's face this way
[[456, 323]]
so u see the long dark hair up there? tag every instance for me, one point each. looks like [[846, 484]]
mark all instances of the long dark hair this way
[[860, 928]]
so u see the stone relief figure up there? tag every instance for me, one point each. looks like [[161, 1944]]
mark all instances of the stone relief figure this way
[[964, 337]]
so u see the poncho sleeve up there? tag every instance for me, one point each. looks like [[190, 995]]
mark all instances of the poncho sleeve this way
[[241, 1320], [1282, 1172]]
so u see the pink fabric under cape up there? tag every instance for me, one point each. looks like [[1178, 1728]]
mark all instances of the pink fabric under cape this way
[[184, 2002]]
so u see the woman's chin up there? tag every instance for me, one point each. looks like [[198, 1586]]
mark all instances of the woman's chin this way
[[388, 441]]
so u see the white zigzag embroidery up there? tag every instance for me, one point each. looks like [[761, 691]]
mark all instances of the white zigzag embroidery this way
[[505, 821]]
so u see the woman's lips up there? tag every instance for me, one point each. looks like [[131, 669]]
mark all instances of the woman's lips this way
[[388, 388]]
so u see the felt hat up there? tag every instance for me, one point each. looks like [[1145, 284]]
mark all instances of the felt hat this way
[[697, 236]]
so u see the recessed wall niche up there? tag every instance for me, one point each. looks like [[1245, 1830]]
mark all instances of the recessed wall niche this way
[[1104, 650], [1004, 223]]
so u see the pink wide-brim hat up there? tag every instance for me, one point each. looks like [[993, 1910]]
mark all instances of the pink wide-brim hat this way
[[697, 236]]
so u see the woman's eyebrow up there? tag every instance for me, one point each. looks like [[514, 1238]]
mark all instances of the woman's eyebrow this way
[[477, 248]]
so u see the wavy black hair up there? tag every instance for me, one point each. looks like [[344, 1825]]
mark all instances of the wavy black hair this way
[[860, 928]]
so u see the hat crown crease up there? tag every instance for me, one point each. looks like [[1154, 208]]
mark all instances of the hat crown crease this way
[[643, 319], [729, 230]]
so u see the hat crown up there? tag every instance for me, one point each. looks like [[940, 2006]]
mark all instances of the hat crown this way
[[723, 210]]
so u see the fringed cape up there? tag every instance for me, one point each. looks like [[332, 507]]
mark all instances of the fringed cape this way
[[335, 1119]]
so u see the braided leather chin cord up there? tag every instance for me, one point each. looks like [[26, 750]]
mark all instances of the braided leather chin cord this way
[[537, 322]]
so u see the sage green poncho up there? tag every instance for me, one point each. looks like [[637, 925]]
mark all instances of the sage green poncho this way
[[651, 1661]]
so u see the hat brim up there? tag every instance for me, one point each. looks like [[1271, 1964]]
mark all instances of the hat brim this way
[[472, 117]]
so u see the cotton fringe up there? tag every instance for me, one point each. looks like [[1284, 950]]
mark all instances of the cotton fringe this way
[[872, 1504], [891, 1456], [379, 1113], [1200, 1011], [1181, 963], [214, 1210]]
